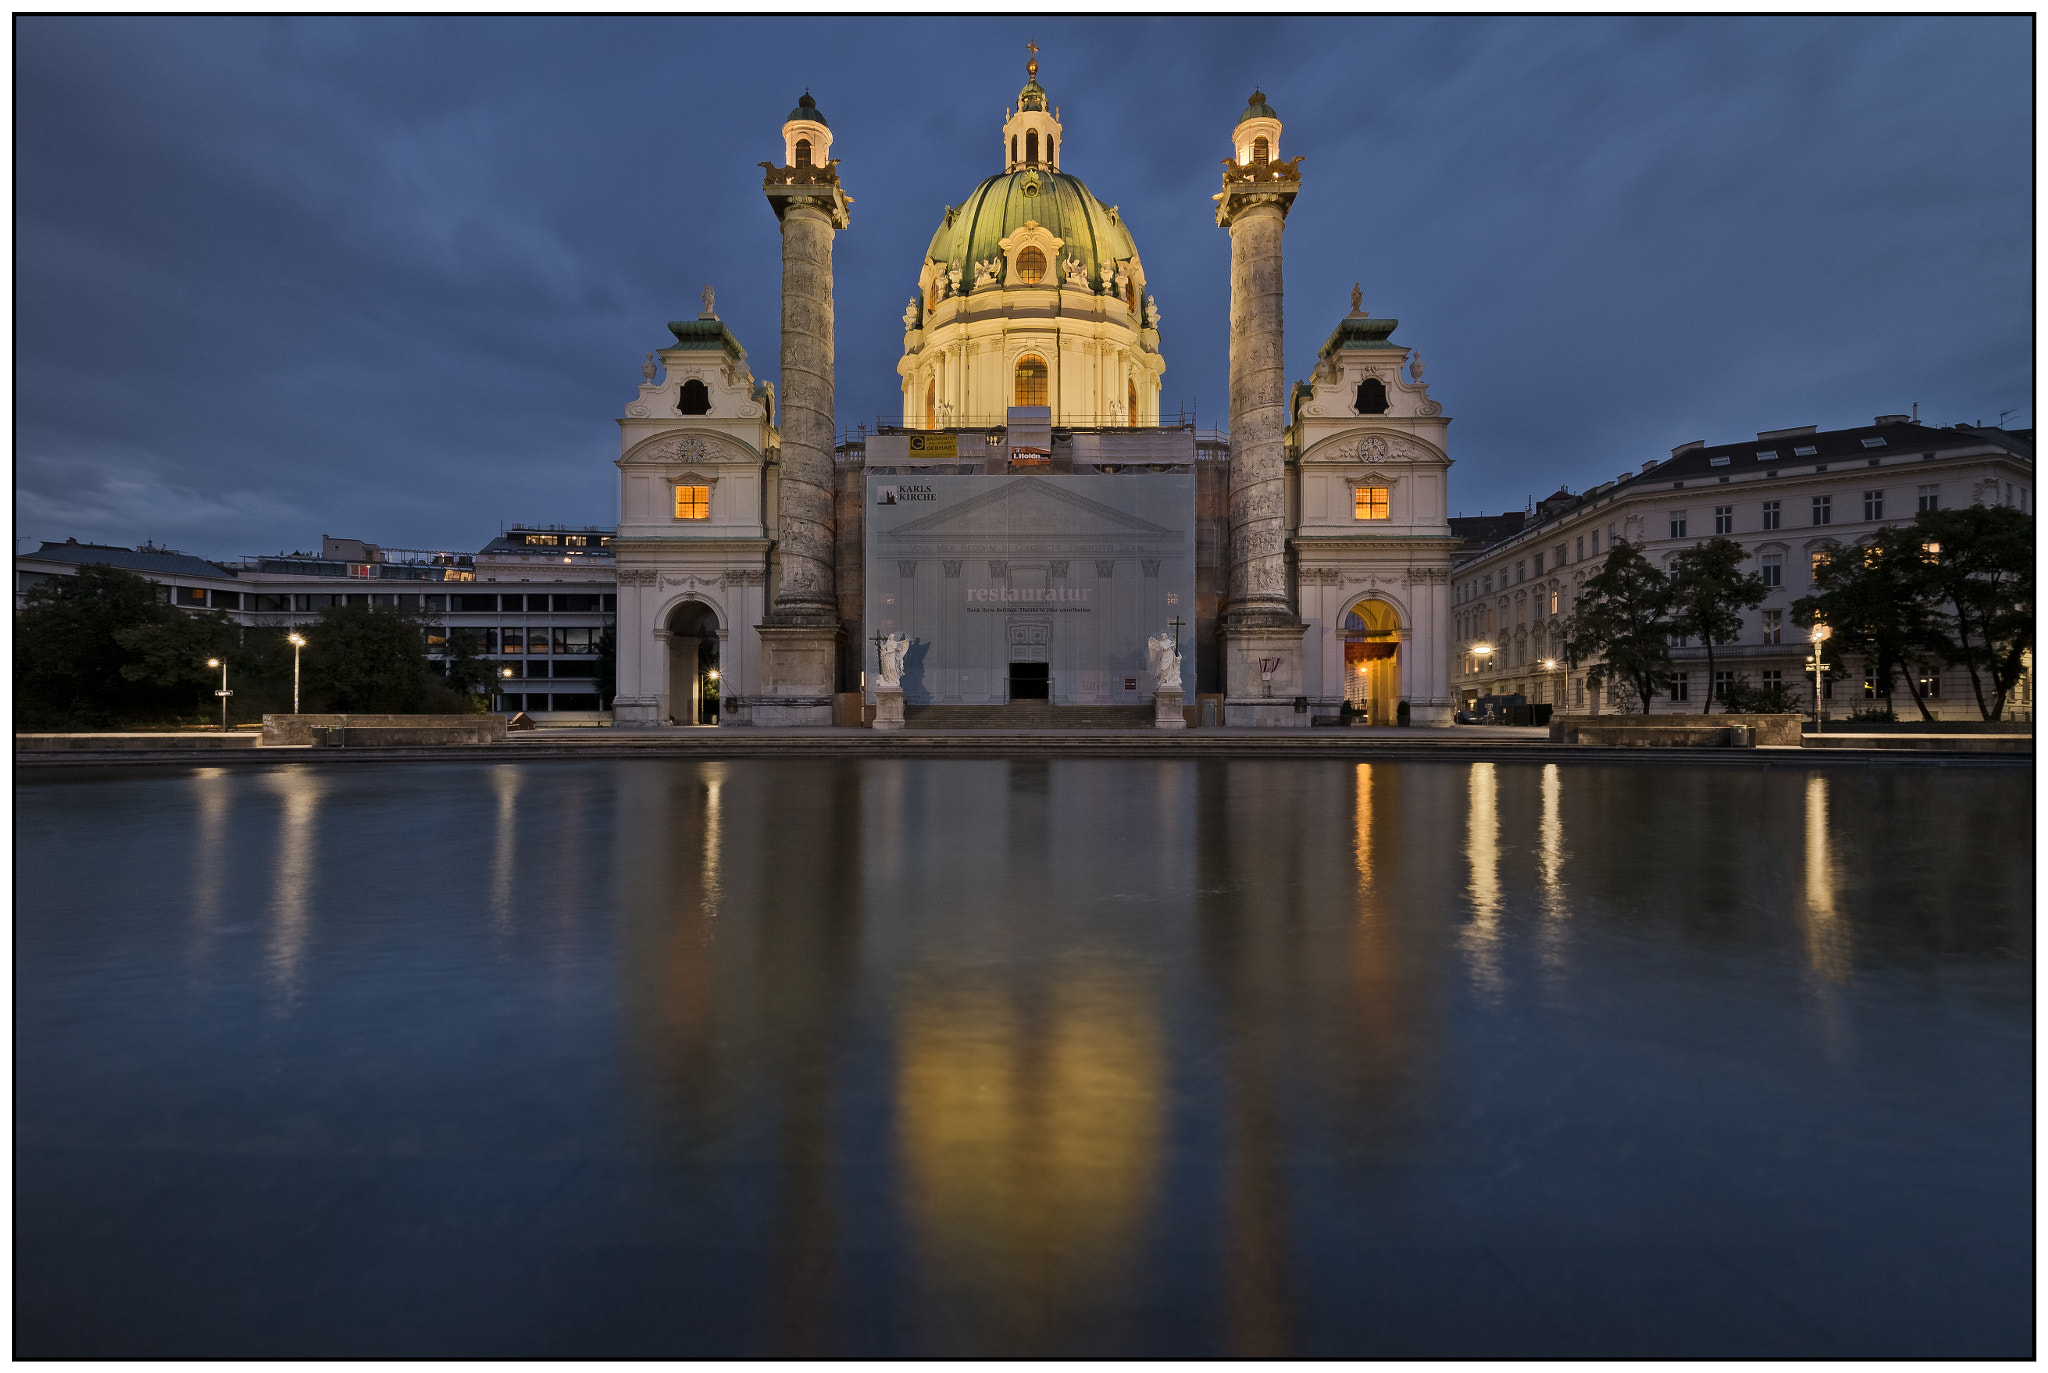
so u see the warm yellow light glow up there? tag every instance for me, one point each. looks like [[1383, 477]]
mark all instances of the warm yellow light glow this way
[[713, 674], [504, 672], [1482, 649], [1820, 634], [213, 662], [295, 640], [1550, 662], [693, 502]]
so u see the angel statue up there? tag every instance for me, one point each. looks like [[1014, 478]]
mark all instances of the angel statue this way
[[892, 650], [1077, 272], [985, 272], [1164, 661], [1123, 278], [1357, 297], [707, 302]]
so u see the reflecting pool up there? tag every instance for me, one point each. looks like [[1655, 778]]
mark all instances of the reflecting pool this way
[[647, 1057]]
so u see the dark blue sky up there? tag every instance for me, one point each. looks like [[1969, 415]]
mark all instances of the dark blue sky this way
[[393, 279]]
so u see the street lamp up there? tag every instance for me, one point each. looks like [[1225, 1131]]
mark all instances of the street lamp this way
[[1820, 635], [297, 641], [223, 693]]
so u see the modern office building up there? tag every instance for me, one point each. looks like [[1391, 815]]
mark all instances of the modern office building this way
[[538, 598]]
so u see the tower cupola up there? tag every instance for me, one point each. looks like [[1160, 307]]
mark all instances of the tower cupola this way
[[1031, 136], [1257, 136], [806, 140]]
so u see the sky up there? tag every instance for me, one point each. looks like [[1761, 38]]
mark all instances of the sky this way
[[392, 279]]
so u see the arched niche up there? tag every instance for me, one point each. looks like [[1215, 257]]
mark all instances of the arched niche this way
[[691, 628], [1371, 631]]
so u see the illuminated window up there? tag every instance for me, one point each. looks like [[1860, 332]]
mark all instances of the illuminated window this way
[[803, 152], [577, 540], [1820, 560], [1932, 551], [693, 502], [1031, 381], [1261, 151], [1369, 503], [1131, 403], [1031, 269]]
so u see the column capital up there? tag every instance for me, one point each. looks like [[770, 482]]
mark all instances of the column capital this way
[[816, 187]]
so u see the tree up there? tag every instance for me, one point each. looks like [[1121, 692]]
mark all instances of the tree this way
[[607, 667], [470, 675], [1621, 620], [95, 650], [371, 659], [1709, 592], [1976, 570], [1873, 602]]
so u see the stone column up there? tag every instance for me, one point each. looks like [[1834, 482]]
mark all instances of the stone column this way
[[800, 633], [1259, 624]]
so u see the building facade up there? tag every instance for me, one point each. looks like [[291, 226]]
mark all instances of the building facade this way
[[1789, 497], [539, 599]]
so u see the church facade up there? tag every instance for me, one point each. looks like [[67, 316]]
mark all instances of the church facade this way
[[1033, 529]]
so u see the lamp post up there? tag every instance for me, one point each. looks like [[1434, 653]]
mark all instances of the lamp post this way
[[297, 641], [223, 693], [1481, 650], [1820, 635]]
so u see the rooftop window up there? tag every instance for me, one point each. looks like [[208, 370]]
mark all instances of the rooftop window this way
[[1768, 455], [1804, 451], [1873, 443], [1717, 462]]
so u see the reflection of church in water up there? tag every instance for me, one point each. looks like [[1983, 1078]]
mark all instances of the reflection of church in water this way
[[1032, 522]]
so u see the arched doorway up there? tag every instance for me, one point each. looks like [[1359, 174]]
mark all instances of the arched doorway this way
[[692, 665], [1372, 661]]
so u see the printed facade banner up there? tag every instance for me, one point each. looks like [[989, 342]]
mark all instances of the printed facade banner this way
[[1030, 587]]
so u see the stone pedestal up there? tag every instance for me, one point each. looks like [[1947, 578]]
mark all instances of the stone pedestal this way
[[636, 712], [888, 708], [1430, 716], [1166, 710], [1251, 700], [798, 665]]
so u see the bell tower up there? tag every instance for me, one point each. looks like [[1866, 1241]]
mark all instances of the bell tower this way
[[1031, 135]]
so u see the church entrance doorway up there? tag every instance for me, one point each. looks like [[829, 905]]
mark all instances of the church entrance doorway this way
[[692, 665], [1031, 681], [1372, 662]]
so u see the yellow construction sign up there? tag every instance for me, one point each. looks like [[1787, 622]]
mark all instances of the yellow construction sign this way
[[934, 445]]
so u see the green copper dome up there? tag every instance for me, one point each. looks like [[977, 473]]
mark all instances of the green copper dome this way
[[807, 108], [1257, 109], [999, 206]]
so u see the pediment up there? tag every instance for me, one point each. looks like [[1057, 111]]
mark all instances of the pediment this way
[[1028, 508], [693, 447], [1375, 447]]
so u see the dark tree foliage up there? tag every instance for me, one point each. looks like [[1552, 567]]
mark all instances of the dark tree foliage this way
[[1622, 620], [607, 667], [1873, 602], [470, 675], [99, 650], [1977, 575], [1709, 592], [372, 659]]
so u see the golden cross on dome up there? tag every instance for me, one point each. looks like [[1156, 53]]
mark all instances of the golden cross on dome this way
[[1031, 67]]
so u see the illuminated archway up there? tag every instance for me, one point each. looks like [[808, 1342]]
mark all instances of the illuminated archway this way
[[1372, 660]]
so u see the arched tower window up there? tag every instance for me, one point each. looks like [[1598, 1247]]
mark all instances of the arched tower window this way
[[1031, 380], [1031, 147], [1261, 151], [803, 152], [1031, 266], [931, 404], [1013, 150], [694, 400], [1372, 397], [1131, 403], [1051, 149]]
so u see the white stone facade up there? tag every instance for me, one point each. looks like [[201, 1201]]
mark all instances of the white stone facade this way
[[685, 577], [1370, 461]]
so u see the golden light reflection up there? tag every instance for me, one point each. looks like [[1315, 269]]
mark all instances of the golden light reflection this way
[[1827, 951], [1361, 810], [1481, 937], [1030, 1138], [210, 797], [1552, 834], [300, 790], [505, 851], [711, 887]]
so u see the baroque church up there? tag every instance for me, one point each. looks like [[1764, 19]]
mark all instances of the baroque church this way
[[1033, 532]]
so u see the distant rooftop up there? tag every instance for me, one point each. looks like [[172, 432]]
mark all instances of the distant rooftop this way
[[148, 558]]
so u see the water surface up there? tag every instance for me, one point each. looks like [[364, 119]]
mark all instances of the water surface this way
[[649, 1057]]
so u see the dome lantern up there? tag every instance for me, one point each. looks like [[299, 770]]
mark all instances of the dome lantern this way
[[1031, 136], [1256, 126]]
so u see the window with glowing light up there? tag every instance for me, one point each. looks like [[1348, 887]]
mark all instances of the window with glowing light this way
[[1369, 503], [1031, 380], [693, 502], [1031, 270]]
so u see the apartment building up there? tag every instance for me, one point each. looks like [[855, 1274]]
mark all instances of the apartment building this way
[[1788, 496]]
